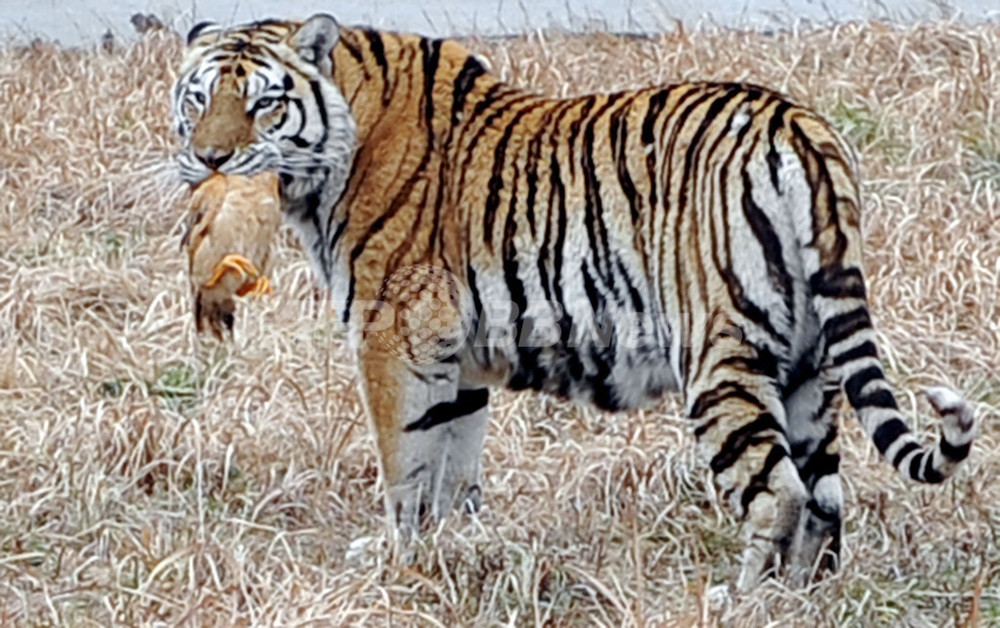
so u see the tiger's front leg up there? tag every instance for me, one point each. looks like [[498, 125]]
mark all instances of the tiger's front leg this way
[[429, 430]]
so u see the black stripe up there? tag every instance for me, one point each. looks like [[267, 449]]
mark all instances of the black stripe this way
[[323, 118], [702, 94], [758, 483], [917, 463], [377, 226], [903, 452], [268, 22], [597, 230], [763, 362], [694, 146], [818, 181], [844, 325], [590, 287], [829, 396], [557, 198], [531, 172], [355, 52], [723, 391], [494, 97], [638, 306], [866, 349], [491, 98], [656, 103], [422, 205], [510, 264], [887, 433], [820, 464], [493, 94], [750, 309], [954, 452], [655, 106], [822, 515], [931, 475], [557, 261], [574, 131], [337, 234], [431, 50], [197, 30], [743, 438], [467, 402], [497, 178], [880, 398], [464, 83], [619, 150], [719, 238], [477, 301], [838, 283], [773, 158], [378, 51], [770, 244]]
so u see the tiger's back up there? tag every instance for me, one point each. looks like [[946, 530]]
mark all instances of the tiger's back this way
[[696, 237], [639, 226]]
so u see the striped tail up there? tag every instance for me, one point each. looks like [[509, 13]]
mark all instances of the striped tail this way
[[839, 298], [851, 341]]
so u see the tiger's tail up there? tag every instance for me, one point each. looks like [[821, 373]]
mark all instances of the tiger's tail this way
[[832, 261]]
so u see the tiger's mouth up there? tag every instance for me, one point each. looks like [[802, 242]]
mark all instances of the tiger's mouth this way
[[196, 166]]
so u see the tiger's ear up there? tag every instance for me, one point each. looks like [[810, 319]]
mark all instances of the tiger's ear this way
[[315, 39], [199, 29]]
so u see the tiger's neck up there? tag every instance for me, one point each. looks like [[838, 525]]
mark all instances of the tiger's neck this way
[[410, 98], [401, 85]]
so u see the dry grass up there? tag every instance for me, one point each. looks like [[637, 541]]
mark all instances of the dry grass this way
[[149, 479]]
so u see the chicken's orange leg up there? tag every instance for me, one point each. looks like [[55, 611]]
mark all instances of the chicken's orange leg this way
[[235, 262], [257, 288]]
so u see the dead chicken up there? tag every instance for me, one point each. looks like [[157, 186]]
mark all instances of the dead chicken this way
[[228, 240]]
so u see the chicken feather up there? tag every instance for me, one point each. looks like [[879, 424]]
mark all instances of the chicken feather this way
[[234, 219]]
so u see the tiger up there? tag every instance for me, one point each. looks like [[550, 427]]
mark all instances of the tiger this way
[[697, 238]]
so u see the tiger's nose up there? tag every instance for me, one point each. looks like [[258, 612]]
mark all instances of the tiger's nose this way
[[213, 158]]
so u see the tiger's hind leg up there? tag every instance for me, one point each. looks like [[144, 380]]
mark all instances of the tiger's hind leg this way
[[740, 426], [811, 408], [429, 430]]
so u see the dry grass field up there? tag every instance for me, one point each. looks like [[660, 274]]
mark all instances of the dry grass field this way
[[148, 477]]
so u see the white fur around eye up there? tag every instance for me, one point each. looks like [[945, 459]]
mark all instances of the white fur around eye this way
[[263, 105]]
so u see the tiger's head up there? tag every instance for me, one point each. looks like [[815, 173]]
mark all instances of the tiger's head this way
[[261, 97]]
